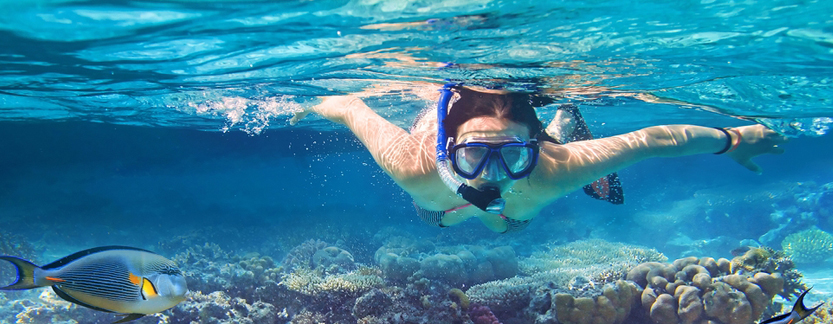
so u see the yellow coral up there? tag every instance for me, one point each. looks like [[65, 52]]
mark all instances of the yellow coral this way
[[460, 297], [813, 245]]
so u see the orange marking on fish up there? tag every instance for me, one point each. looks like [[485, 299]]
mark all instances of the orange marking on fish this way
[[601, 187], [134, 279], [53, 279]]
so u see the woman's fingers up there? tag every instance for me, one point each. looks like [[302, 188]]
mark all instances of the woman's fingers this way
[[752, 166], [298, 116]]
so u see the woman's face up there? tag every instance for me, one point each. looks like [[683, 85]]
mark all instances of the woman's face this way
[[491, 130]]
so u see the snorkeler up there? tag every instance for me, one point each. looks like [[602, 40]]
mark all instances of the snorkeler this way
[[468, 160]]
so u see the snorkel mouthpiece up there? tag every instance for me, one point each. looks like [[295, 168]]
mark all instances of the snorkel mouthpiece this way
[[488, 199]]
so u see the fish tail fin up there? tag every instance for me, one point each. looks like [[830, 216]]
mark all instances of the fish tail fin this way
[[800, 309], [25, 274]]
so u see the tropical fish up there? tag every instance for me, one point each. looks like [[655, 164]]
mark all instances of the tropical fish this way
[[116, 279], [798, 313], [738, 251]]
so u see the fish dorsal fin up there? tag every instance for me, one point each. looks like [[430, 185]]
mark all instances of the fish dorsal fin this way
[[75, 256], [71, 299]]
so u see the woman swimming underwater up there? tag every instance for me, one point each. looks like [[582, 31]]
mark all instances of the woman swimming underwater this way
[[468, 160]]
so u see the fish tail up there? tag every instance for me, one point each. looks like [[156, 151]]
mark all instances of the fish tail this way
[[25, 274], [800, 309]]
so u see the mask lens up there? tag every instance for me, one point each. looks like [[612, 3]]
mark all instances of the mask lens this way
[[469, 158], [517, 158]]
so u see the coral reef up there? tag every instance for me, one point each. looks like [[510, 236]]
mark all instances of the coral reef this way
[[316, 283], [48, 308], [767, 260], [371, 303], [333, 260], [691, 290], [301, 255], [804, 205], [14, 245], [416, 281], [402, 258], [482, 315], [617, 259], [823, 315], [809, 246], [580, 282], [459, 297], [209, 268], [711, 219], [218, 308], [613, 305], [315, 254], [788, 220]]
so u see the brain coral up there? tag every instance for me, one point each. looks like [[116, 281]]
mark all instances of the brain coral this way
[[810, 246], [699, 290], [575, 283]]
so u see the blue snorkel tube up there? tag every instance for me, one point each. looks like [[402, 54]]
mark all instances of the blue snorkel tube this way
[[489, 199]]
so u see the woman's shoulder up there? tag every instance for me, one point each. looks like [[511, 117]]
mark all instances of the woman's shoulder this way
[[426, 121]]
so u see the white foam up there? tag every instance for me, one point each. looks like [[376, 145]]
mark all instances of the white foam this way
[[250, 115]]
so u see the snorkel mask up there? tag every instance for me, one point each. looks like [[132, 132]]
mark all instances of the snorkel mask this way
[[488, 199], [499, 157]]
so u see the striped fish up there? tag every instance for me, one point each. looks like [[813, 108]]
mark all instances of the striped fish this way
[[117, 279], [798, 313]]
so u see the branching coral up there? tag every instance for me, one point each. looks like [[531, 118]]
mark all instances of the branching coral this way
[[810, 246], [313, 282], [219, 308], [209, 268], [589, 252]]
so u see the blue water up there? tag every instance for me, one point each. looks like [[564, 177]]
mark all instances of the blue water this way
[[137, 122]]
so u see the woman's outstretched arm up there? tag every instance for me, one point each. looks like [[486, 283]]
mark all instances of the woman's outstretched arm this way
[[568, 167], [400, 154]]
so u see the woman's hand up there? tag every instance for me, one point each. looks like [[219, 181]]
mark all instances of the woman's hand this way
[[756, 140], [333, 108]]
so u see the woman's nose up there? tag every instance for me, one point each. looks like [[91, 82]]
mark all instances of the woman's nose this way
[[492, 172]]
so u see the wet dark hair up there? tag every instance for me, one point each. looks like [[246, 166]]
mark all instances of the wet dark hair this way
[[515, 106]]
